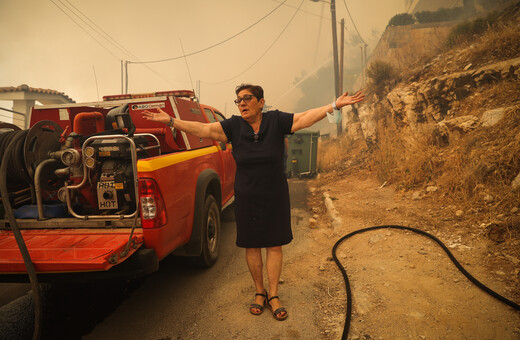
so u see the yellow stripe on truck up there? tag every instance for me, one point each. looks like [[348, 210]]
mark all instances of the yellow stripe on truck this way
[[164, 161]]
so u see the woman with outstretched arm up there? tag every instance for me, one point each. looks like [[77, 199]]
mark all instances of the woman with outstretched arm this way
[[262, 207]]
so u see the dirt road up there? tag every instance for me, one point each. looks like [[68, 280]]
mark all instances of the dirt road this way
[[403, 285], [180, 302]]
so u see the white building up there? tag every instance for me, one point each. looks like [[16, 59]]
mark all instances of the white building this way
[[25, 97]]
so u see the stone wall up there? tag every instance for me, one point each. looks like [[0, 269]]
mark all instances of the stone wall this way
[[432, 102]]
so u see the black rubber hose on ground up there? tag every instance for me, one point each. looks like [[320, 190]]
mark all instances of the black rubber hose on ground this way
[[418, 231], [18, 236]]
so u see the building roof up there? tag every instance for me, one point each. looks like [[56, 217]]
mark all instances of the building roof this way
[[35, 90]]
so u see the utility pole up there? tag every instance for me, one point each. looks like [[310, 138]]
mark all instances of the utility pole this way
[[362, 66], [341, 58], [365, 60], [126, 77], [334, 51], [121, 76], [335, 47], [198, 91]]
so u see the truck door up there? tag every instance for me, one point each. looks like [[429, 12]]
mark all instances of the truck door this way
[[228, 162]]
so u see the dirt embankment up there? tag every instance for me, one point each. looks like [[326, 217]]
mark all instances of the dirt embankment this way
[[404, 286]]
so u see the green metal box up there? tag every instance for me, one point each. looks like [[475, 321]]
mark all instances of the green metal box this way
[[302, 154]]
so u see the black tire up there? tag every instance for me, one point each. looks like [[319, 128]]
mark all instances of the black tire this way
[[210, 233]]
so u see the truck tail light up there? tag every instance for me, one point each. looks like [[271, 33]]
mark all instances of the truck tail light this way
[[153, 211]]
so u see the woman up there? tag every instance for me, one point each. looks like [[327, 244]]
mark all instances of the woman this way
[[262, 208]]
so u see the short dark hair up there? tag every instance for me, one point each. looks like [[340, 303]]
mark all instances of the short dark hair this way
[[256, 90]]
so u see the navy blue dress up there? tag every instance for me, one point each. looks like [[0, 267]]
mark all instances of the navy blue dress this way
[[262, 208]]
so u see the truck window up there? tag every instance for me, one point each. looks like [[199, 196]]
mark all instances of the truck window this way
[[212, 119], [210, 116], [220, 116]]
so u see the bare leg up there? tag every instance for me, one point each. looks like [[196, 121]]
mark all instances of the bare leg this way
[[274, 270], [254, 262]]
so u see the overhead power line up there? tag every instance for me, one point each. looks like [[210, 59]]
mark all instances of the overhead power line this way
[[89, 23], [98, 29], [301, 10], [85, 30], [212, 46], [265, 52], [353, 23]]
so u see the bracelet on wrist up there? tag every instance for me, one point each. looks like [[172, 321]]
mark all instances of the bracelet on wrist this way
[[334, 106], [170, 123]]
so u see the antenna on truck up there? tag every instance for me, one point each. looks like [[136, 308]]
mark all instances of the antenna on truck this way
[[188, 67]]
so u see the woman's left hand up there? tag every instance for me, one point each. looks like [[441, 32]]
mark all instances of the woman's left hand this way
[[345, 99]]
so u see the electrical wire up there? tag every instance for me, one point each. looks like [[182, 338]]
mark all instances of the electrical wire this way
[[120, 46], [263, 54], [86, 31], [307, 12], [212, 46], [98, 29], [353, 23], [103, 34], [95, 28], [319, 33], [187, 66]]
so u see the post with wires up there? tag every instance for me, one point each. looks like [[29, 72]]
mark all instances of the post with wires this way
[[334, 52], [121, 76], [126, 77], [341, 58]]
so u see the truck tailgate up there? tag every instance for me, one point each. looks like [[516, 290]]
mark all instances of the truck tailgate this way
[[68, 250]]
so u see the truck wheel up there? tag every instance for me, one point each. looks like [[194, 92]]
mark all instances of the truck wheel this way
[[210, 233]]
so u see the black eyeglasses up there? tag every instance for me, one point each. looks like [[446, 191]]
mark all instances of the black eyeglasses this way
[[247, 98]]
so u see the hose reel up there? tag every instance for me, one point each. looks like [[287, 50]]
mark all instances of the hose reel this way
[[42, 139], [33, 147]]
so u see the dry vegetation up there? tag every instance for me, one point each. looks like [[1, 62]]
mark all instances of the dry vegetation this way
[[477, 168]]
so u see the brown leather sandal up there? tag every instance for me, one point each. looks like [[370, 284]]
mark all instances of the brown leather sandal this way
[[257, 306], [277, 311]]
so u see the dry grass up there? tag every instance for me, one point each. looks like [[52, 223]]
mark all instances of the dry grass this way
[[410, 162], [485, 162], [503, 94], [476, 168], [340, 153], [497, 44], [501, 41]]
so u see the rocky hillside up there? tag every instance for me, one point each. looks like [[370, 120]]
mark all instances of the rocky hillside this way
[[451, 123]]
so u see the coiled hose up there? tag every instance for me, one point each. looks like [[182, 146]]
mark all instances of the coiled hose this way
[[13, 146], [348, 317]]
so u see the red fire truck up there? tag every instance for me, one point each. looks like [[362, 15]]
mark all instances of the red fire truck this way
[[96, 191]]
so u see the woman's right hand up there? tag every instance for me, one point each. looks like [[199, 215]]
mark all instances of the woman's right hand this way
[[159, 116]]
